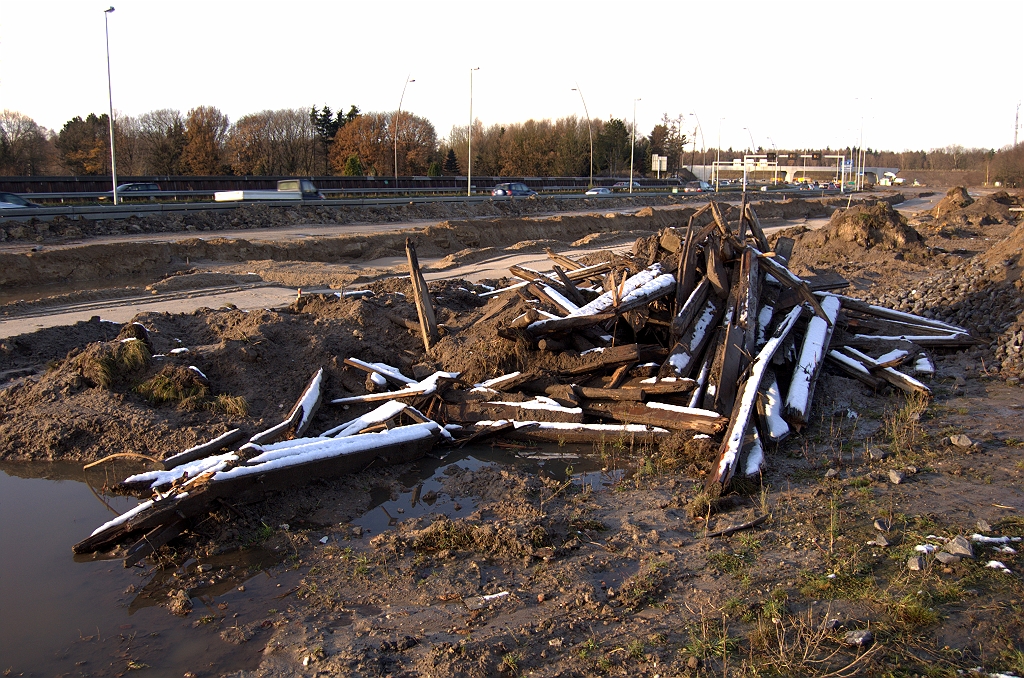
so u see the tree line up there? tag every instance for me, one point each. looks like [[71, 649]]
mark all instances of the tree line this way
[[319, 141]]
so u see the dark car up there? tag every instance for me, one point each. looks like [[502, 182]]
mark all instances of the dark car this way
[[515, 189], [135, 190], [15, 199]]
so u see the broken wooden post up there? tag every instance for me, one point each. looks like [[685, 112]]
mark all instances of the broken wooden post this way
[[424, 306], [812, 354]]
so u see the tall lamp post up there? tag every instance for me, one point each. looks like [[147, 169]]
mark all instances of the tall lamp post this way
[[703, 146], [395, 126], [110, 99], [632, 146], [589, 129], [469, 174], [775, 174], [718, 155]]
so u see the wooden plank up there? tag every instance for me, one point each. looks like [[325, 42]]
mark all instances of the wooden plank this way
[[688, 350], [421, 297], [729, 451], [784, 250], [800, 395], [615, 356], [584, 436], [497, 411], [895, 377], [859, 306], [715, 267], [570, 287], [688, 310], [565, 261], [672, 418], [620, 375], [854, 368], [156, 538], [792, 281], [755, 227], [206, 449]]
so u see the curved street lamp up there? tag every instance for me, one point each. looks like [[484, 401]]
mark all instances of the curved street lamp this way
[[395, 126], [469, 174], [589, 129], [110, 99], [703, 146]]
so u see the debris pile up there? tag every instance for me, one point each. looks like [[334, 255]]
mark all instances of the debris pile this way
[[700, 332]]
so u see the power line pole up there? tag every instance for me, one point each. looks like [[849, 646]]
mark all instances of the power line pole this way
[[1016, 125]]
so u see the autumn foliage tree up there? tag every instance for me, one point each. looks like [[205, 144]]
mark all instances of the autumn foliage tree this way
[[206, 130], [370, 138], [84, 145]]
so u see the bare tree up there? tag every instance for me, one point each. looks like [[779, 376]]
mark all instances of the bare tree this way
[[25, 147]]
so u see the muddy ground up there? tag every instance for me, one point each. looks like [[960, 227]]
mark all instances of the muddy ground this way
[[614, 580]]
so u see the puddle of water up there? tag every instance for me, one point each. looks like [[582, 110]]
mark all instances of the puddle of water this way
[[64, 614], [88, 615]]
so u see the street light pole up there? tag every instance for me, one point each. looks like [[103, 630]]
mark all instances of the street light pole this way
[[469, 174], [589, 129], [703, 146], [110, 99], [395, 126], [775, 174], [718, 155], [632, 146], [752, 147]]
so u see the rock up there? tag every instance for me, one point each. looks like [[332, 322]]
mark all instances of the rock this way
[[831, 473], [877, 454], [882, 525], [984, 526], [861, 638], [693, 663], [896, 477], [961, 441], [947, 558], [915, 563], [960, 546], [880, 540], [833, 625]]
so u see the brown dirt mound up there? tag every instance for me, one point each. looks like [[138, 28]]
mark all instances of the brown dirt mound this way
[[1007, 254], [956, 198]]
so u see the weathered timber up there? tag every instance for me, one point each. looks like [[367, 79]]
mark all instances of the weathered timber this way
[[755, 227], [400, 321], [688, 350], [497, 411], [672, 417], [572, 322], [784, 250], [716, 273], [895, 377], [938, 341], [688, 310], [626, 394], [800, 394], [792, 281], [570, 287], [552, 296], [769, 409], [584, 435], [854, 368], [495, 307], [156, 538], [615, 356], [424, 305], [392, 375], [620, 375], [737, 528], [552, 345], [206, 449], [565, 261], [729, 451], [669, 386], [859, 306], [486, 432]]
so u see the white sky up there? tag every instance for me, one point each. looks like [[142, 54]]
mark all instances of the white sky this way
[[928, 74]]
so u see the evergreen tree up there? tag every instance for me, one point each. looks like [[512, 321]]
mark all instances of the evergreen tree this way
[[451, 164], [434, 170], [353, 168]]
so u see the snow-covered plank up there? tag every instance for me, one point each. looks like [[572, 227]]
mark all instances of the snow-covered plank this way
[[417, 388], [769, 408], [800, 394], [199, 451], [386, 371], [904, 382], [730, 448], [389, 410], [691, 344], [888, 313]]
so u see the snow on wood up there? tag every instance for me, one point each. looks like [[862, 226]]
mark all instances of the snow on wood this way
[[854, 368], [691, 344], [124, 517], [416, 388], [923, 365], [952, 340], [490, 384], [894, 356], [901, 381], [755, 457], [305, 409], [200, 451], [324, 448], [387, 371], [541, 403], [808, 367], [382, 413], [191, 469], [882, 312], [770, 409], [730, 448], [559, 299]]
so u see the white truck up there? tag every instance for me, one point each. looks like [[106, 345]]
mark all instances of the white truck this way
[[287, 189]]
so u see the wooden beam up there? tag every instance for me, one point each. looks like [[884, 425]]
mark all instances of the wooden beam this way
[[421, 297], [800, 394], [675, 418]]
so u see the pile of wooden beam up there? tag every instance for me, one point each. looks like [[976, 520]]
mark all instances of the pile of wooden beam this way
[[702, 331]]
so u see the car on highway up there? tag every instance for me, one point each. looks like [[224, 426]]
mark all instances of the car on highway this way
[[600, 190], [625, 185], [134, 190], [514, 189], [16, 200]]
